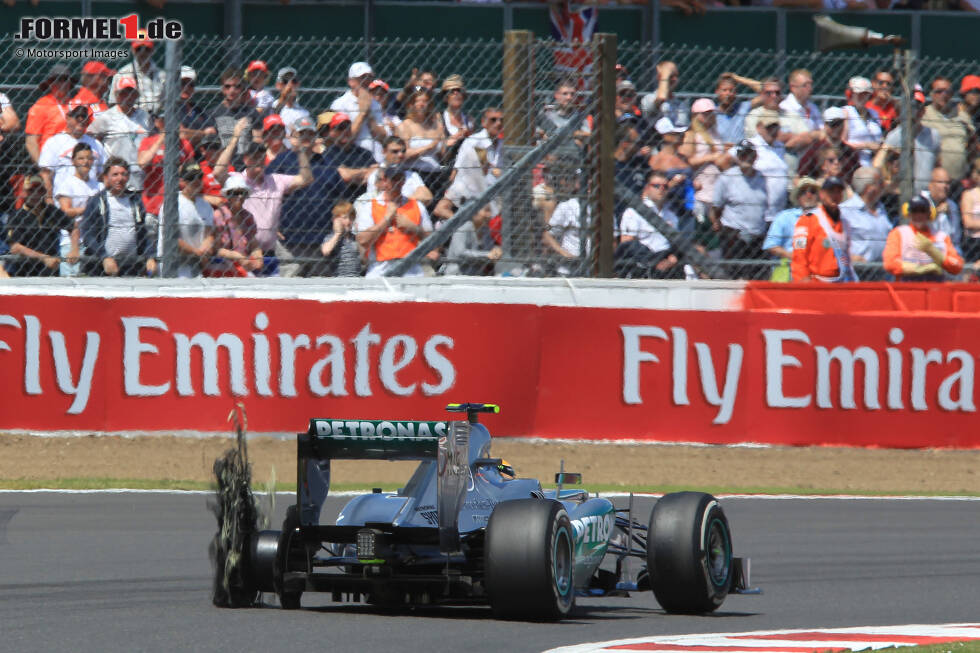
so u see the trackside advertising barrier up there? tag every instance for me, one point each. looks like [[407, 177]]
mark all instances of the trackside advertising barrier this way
[[90, 364]]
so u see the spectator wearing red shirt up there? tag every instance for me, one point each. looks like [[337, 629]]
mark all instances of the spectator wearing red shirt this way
[[208, 151], [881, 99], [150, 159], [95, 84], [47, 116]]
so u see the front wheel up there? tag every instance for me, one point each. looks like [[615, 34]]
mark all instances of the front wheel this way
[[689, 553], [530, 553]]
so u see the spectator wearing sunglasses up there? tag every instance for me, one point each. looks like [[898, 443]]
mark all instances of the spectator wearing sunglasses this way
[[194, 121], [288, 106], [955, 129], [643, 252], [882, 102], [149, 79], [738, 212], [235, 105], [770, 93], [481, 157], [833, 137]]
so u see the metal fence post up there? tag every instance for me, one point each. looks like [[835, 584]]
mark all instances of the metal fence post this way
[[908, 135], [518, 109], [605, 144], [171, 158], [233, 30]]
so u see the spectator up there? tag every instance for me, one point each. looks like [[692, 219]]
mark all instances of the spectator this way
[[414, 187], [947, 212], [481, 158], [273, 135], [256, 75], [770, 161], [46, 117], [739, 206], [367, 119], [861, 129], [208, 150], [917, 251], [340, 250], [663, 103], [866, 218], [969, 108], [235, 105], [705, 150], [194, 121], [472, 250], [800, 118], [970, 210], [890, 170], [288, 106], [567, 234], [56, 155], [771, 91], [458, 125], [833, 137], [643, 252], [379, 91], [425, 79], [829, 165], [672, 162], [34, 231], [821, 240], [779, 238], [425, 136], [9, 120], [631, 164], [114, 227], [149, 79], [122, 128], [391, 225], [955, 129], [730, 114], [195, 242], [95, 84], [353, 163], [625, 108], [150, 161], [555, 116], [266, 192], [925, 149], [71, 193], [234, 234], [882, 102]]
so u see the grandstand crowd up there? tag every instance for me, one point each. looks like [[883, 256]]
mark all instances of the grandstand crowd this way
[[763, 180]]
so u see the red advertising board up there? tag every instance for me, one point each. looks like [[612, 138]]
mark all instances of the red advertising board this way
[[165, 364]]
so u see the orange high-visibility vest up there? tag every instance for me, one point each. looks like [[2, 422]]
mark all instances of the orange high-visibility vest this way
[[395, 243]]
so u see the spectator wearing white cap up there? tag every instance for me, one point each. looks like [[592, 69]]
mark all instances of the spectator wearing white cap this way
[[833, 137], [194, 121], [672, 162], [367, 119], [288, 106], [704, 149], [234, 233], [149, 79], [256, 75], [862, 130]]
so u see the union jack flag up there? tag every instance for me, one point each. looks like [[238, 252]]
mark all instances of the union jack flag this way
[[572, 27]]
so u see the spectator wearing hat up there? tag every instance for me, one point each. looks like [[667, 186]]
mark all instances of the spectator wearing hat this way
[[801, 119], [234, 234], [918, 251], [195, 223], [46, 117], [770, 95], [288, 106], [739, 206], [367, 119], [122, 128], [71, 194], [55, 160], [663, 103], [266, 191], [955, 129], [926, 153], [34, 231], [643, 252], [458, 123], [236, 105], [149, 79], [208, 150], [273, 137], [256, 75], [833, 137], [625, 107], [672, 162], [114, 226], [150, 160], [779, 237], [969, 107], [352, 163], [95, 84], [771, 160], [866, 218], [391, 225], [821, 240], [882, 101], [194, 121], [555, 116], [861, 129], [380, 92], [341, 253], [705, 150]]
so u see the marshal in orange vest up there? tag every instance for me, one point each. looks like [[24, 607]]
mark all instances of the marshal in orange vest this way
[[395, 243]]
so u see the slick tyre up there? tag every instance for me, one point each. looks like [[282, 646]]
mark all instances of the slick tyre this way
[[530, 555], [290, 556], [689, 553]]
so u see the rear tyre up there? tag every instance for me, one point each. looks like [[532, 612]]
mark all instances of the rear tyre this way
[[530, 555], [689, 553], [290, 552]]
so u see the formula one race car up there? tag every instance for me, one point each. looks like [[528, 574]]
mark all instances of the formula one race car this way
[[464, 530]]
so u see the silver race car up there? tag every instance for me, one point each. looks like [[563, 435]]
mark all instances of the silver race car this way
[[465, 530]]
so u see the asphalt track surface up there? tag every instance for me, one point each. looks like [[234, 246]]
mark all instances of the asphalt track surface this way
[[129, 572]]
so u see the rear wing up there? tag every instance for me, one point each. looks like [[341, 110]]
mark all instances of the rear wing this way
[[371, 439]]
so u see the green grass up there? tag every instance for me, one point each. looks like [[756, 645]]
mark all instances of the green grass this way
[[93, 483], [953, 647]]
